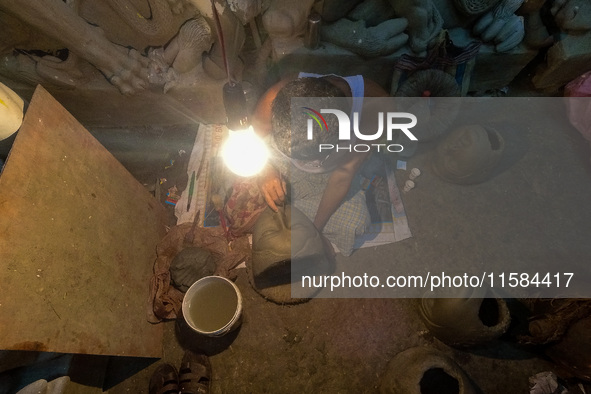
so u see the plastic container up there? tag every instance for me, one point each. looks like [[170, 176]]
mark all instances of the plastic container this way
[[213, 306]]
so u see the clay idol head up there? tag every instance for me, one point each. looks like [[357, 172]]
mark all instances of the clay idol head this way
[[468, 154], [284, 241]]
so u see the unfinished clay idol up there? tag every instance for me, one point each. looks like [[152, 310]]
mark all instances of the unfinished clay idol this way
[[283, 242], [468, 155], [282, 237]]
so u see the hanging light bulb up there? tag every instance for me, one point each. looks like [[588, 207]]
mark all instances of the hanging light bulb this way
[[244, 152]]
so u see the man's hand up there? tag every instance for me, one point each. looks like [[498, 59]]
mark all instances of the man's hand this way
[[272, 187]]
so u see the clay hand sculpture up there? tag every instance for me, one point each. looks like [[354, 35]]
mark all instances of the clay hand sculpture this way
[[424, 23], [114, 36], [501, 27], [372, 41], [572, 15], [176, 63], [123, 66]]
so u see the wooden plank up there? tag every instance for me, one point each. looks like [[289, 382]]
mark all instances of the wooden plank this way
[[77, 243]]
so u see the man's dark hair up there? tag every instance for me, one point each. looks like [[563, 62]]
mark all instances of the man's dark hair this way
[[294, 143]]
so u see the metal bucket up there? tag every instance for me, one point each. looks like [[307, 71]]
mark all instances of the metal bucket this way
[[213, 306]]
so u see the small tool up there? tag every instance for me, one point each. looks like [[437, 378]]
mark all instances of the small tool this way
[[188, 240], [191, 191]]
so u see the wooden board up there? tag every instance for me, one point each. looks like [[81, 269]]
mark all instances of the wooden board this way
[[77, 243]]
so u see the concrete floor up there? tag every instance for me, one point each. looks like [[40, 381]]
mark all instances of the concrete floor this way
[[531, 215], [533, 212]]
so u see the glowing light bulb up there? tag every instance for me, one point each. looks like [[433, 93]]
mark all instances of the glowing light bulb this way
[[244, 152]]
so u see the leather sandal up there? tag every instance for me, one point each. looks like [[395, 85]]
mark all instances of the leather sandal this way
[[195, 373], [164, 380]]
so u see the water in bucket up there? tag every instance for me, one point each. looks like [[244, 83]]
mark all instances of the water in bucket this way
[[212, 306]]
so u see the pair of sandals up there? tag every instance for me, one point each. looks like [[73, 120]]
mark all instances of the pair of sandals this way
[[193, 377]]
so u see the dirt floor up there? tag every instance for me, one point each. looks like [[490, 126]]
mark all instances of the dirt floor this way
[[532, 214]]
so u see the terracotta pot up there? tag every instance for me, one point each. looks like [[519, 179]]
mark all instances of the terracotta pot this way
[[422, 370], [573, 352], [465, 321]]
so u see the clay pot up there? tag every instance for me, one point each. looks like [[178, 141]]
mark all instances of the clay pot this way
[[468, 155], [464, 322], [573, 352], [422, 370]]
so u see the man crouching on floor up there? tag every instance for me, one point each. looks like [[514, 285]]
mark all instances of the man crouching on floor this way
[[321, 183]]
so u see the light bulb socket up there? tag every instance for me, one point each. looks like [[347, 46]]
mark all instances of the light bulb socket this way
[[235, 106], [312, 36]]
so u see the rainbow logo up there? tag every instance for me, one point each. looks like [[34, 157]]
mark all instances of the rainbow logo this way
[[316, 116]]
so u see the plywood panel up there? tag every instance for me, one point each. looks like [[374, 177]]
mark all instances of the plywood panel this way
[[77, 243]]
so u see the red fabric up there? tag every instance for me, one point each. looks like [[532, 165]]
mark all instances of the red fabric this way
[[244, 207], [580, 87]]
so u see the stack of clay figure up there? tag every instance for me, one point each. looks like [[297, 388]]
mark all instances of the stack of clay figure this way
[[174, 46]]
